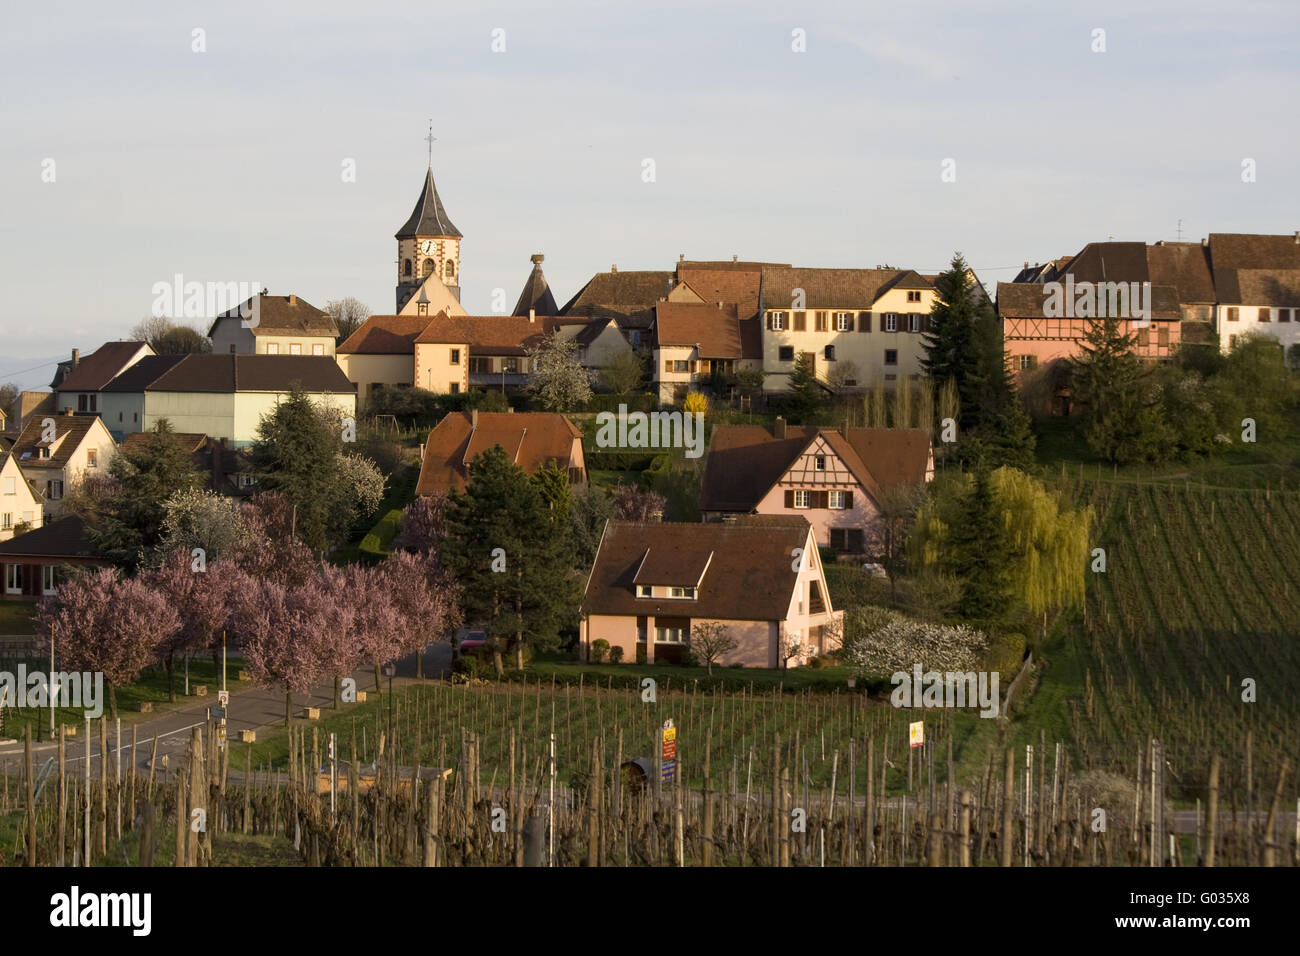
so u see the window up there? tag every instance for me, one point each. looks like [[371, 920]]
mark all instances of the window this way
[[318, 349], [776, 320], [891, 356], [913, 295], [843, 321], [10, 488], [455, 356], [1234, 314], [1028, 362], [840, 500], [14, 578], [479, 366], [510, 365], [1264, 315], [92, 457], [135, 417], [682, 365], [45, 451], [1284, 315], [688, 593], [815, 603], [1162, 336], [672, 634], [49, 578], [1143, 337], [272, 348], [449, 269], [406, 267], [119, 414], [427, 268], [246, 481], [819, 462], [83, 403], [295, 348], [803, 499], [454, 388], [830, 353], [1232, 341], [864, 321], [891, 321], [800, 321], [644, 590], [821, 321], [421, 308], [914, 322], [232, 352], [6, 521], [847, 539], [54, 489], [786, 353]]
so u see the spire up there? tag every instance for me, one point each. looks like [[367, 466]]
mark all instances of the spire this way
[[536, 296], [429, 218]]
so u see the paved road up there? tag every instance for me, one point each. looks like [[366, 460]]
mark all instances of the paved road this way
[[249, 710]]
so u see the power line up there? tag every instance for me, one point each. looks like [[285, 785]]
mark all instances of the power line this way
[[34, 368]]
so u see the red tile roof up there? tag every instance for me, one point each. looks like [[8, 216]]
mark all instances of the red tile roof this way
[[530, 440], [717, 332], [95, 370]]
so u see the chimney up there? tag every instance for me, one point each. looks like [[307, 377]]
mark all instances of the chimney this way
[[1297, 238], [473, 417], [614, 267], [734, 257], [719, 305], [532, 316], [293, 299], [1026, 263], [69, 411], [681, 257], [76, 357], [778, 428]]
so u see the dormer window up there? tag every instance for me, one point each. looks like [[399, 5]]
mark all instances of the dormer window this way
[[644, 590], [685, 593]]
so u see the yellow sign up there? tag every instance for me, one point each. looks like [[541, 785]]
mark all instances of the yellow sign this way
[[916, 733]]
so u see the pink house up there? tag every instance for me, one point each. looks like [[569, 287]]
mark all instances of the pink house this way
[[834, 478], [652, 585]]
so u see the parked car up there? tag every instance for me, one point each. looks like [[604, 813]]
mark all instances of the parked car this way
[[469, 640]]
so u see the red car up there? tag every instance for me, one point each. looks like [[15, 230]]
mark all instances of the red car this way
[[471, 642]]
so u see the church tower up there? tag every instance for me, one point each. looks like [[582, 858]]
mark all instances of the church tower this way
[[427, 245]]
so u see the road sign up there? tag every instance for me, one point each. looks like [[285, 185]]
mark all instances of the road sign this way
[[668, 772], [223, 698], [668, 752], [916, 733], [218, 713]]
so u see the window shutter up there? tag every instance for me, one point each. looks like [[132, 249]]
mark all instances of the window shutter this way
[[819, 499], [864, 321], [800, 321], [848, 499], [789, 499], [668, 365]]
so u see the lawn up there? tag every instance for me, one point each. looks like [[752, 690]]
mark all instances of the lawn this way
[[16, 617]]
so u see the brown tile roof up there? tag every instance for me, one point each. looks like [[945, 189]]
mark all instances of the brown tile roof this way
[[1029, 299], [1183, 267], [492, 334], [386, 335], [733, 286], [744, 462], [748, 575], [716, 331], [65, 538], [278, 316], [190, 442], [143, 373], [629, 296], [531, 439], [1255, 269], [1111, 262], [69, 431], [825, 288], [95, 370]]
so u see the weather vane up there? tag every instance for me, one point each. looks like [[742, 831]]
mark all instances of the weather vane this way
[[430, 138]]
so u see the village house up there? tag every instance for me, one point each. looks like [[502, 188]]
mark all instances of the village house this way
[[222, 396], [77, 383], [33, 564], [530, 439], [696, 341], [21, 508], [653, 585], [833, 478], [1257, 286], [56, 451], [274, 325]]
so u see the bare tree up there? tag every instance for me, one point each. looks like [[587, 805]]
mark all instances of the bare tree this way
[[887, 540], [790, 647], [841, 374], [710, 641], [169, 337], [348, 314]]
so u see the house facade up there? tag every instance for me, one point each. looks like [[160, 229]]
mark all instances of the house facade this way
[[56, 451], [277, 325], [78, 384], [33, 565], [653, 586], [693, 341], [834, 479], [1257, 281], [21, 508]]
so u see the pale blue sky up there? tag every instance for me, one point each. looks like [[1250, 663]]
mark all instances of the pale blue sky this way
[[225, 165]]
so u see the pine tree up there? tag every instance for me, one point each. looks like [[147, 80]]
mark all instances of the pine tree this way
[[296, 454], [950, 350], [1121, 416], [981, 556], [1001, 433], [805, 398], [510, 557]]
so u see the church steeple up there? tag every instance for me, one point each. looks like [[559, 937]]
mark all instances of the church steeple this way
[[428, 246]]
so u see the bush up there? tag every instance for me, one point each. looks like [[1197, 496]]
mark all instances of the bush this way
[[599, 650], [695, 402], [616, 655], [1005, 654], [640, 653]]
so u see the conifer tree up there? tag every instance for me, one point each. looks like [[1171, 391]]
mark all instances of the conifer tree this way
[[1121, 415]]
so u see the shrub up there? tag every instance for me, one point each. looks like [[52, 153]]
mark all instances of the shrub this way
[[599, 650], [640, 653], [1005, 654], [902, 643], [695, 402], [616, 655]]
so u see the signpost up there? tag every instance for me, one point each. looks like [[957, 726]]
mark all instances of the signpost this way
[[668, 753], [916, 734]]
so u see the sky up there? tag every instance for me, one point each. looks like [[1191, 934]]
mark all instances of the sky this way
[[226, 164]]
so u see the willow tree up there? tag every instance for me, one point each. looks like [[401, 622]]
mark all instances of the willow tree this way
[[1046, 546]]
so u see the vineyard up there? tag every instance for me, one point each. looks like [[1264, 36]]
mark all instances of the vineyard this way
[[1201, 592]]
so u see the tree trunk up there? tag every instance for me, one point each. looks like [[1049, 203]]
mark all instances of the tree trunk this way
[[171, 677], [288, 706], [338, 690], [497, 662], [112, 700], [377, 688]]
